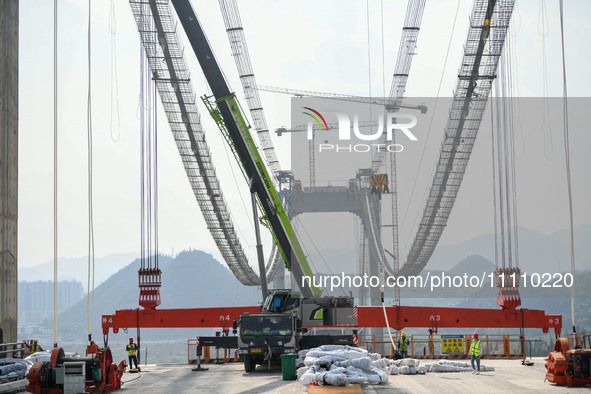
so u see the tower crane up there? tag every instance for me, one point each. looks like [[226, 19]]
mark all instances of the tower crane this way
[[389, 103]]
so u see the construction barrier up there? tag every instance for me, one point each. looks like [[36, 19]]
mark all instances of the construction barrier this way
[[450, 347], [192, 351], [228, 356]]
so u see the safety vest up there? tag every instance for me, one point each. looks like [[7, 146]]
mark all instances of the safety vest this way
[[475, 348], [131, 348], [35, 348], [403, 344]]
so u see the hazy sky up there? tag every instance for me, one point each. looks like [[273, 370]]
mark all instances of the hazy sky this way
[[308, 45]]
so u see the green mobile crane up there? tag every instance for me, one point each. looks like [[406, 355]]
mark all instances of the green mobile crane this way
[[228, 115], [279, 328]]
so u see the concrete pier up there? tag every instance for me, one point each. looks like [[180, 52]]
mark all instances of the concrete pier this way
[[8, 168]]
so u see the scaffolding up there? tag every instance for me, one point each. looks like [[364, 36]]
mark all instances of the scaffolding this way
[[235, 31], [158, 34], [489, 22], [406, 51]]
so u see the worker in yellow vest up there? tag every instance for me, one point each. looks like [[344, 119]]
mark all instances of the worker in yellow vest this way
[[403, 345], [131, 351], [475, 354], [35, 346]]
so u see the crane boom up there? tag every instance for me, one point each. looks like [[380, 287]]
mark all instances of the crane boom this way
[[229, 114]]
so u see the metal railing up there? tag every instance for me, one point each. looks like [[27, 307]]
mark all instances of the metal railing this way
[[430, 346], [14, 348], [579, 340]]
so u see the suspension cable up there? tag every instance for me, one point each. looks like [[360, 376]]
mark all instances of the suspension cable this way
[[55, 173], [567, 159], [503, 164], [148, 159], [383, 50], [91, 267], [543, 30], [114, 75], [142, 159], [416, 178]]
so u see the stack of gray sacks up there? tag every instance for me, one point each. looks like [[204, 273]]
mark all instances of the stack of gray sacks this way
[[338, 365]]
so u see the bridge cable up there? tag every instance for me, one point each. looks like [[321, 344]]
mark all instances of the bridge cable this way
[[55, 174], [503, 164], [91, 265], [543, 30], [567, 159], [429, 128], [303, 227], [369, 58], [114, 74], [148, 165]]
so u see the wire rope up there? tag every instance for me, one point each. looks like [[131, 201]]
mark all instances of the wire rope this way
[[91, 262], [567, 162], [114, 75], [543, 30], [55, 195]]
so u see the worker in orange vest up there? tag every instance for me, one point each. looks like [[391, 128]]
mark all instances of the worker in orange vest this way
[[131, 353]]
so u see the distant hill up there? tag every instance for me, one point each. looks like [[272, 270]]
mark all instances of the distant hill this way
[[473, 265], [537, 252], [192, 279], [77, 268]]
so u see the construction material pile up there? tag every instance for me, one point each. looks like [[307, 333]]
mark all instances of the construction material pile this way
[[455, 366], [407, 366], [13, 369], [45, 355], [338, 365]]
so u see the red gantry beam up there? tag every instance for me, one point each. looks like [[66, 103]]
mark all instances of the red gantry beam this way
[[175, 318], [399, 317]]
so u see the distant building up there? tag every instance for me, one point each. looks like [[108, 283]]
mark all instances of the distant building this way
[[35, 299]]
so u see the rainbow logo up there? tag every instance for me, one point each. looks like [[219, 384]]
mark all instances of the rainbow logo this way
[[315, 118]]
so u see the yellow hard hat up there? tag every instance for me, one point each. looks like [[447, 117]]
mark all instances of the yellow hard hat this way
[[35, 340], [403, 334]]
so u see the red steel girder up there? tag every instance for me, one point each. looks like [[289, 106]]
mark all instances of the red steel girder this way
[[399, 317], [174, 318]]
